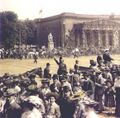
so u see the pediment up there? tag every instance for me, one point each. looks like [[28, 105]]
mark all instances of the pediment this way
[[101, 24]]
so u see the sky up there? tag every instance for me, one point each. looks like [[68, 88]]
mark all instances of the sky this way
[[32, 9]]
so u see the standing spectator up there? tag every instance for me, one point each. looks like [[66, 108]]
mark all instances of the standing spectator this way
[[76, 67], [106, 57], [117, 96], [52, 109], [35, 57], [109, 96], [99, 91], [47, 73], [56, 85], [99, 59], [67, 107]]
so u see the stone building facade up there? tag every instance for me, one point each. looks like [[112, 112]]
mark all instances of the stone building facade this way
[[78, 30]]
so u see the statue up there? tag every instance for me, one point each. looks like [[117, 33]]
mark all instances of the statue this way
[[50, 42], [50, 37]]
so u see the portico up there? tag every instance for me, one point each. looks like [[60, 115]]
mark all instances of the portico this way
[[98, 33]]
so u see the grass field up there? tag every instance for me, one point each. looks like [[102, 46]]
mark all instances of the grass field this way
[[20, 66]]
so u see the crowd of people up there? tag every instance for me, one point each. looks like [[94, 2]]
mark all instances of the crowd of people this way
[[28, 53], [75, 93]]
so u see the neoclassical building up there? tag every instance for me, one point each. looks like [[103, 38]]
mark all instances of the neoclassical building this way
[[78, 30]]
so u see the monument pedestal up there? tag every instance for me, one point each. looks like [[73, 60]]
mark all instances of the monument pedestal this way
[[50, 45]]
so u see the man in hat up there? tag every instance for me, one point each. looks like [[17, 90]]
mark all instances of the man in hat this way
[[56, 85], [76, 67], [106, 57], [93, 65], [64, 82], [35, 57], [67, 107], [47, 73], [87, 85]]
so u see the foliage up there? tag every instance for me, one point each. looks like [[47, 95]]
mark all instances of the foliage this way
[[8, 28], [15, 31]]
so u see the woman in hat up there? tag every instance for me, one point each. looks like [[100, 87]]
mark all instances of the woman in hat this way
[[52, 108], [29, 110], [109, 96]]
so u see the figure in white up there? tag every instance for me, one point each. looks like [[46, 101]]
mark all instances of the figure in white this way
[[50, 37], [50, 42]]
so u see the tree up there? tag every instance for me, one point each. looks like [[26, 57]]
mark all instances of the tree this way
[[8, 28], [31, 31]]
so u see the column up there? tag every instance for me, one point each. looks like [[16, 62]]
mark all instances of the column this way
[[62, 37], [106, 39], [115, 39], [92, 43], [77, 39], [99, 39], [84, 39]]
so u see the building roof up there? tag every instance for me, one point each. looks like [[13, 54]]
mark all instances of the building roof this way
[[78, 16]]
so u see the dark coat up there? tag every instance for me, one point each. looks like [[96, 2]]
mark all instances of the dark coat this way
[[47, 73], [107, 58], [99, 58], [109, 97], [67, 108], [117, 109]]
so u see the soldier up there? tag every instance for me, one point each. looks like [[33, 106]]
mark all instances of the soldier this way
[[62, 70]]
